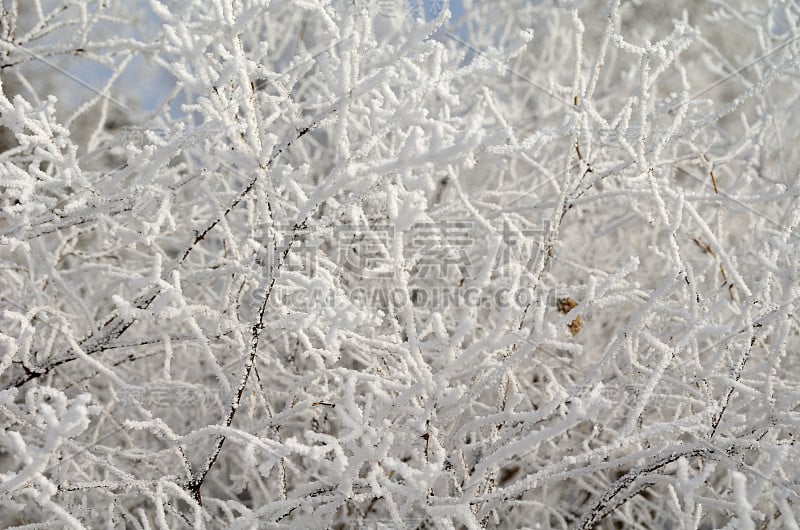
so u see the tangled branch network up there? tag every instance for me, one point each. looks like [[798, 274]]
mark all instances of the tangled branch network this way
[[388, 264]]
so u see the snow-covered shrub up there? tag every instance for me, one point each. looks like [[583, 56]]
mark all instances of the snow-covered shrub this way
[[360, 263]]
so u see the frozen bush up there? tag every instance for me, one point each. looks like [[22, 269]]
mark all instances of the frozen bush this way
[[365, 263]]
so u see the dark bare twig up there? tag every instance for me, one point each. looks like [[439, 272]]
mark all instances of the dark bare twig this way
[[604, 505], [737, 373], [194, 485]]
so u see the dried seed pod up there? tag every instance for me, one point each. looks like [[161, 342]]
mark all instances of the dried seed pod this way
[[565, 305]]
